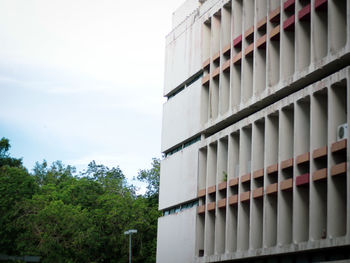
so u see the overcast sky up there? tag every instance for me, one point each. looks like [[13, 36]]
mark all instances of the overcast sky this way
[[82, 80]]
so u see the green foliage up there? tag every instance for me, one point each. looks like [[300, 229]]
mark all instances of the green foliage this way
[[224, 176], [67, 217], [5, 158], [16, 185], [151, 176]]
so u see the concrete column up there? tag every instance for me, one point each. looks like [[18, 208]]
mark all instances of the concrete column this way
[[259, 78], [202, 171], [337, 189], [258, 150], [244, 187], [302, 34], [318, 189], [209, 236], [206, 32], [226, 46], [200, 223], [338, 24], [319, 37], [220, 223], [302, 167], [270, 201], [288, 20], [285, 197], [247, 41], [237, 9], [232, 212], [273, 45]]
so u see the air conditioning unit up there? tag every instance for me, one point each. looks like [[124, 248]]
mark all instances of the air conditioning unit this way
[[342, 132]]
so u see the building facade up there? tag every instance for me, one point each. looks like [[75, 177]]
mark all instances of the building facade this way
[[254, 135]]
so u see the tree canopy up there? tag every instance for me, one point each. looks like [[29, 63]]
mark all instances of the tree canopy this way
[[64, 216]]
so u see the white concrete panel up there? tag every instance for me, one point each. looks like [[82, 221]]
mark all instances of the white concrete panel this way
[[183, 55], [178, 177], [176, 237], [183, 11], [181, 116]]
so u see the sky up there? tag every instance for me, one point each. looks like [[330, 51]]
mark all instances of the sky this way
[[82, 80]]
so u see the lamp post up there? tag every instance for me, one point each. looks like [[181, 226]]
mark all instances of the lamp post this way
[[130, 232]]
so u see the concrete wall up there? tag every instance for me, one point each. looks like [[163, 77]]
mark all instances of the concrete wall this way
[[178, 177], [297, 190], [275, 87], [184, 11], [183, 54], [176, 237], [181, 116]]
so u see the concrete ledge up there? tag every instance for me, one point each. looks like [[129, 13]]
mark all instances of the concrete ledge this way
[[304, 13], [249, 33], [278, 250], [287, 164], [258, 173], [339, 146], [320, 4], [222, 186], [275, 33], [261, 42], [245, 178], [289, 5], [233, 182], [226, 66], [249, 50], [258, 193], [216, 56], [233, 200], [237, 59], [274, 15], [237, 42], [338, 169], [215, 73], [272, 169], [211, 206], [319, 175], [245, 197], [222, 203], [289, 23], [303, 158], [205, 80], [211, 189], [286, 185], [226, 49], [206, 63], [201, 193], [303, 179], [201, 209], [320, 152], [261, 24], [272, 189]]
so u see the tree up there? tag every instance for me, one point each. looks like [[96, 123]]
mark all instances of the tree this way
[[16, 185], [5, 158], [148, 206], [151, 177], [67, 217]]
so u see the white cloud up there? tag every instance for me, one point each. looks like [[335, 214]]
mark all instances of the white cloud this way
[[85, 77]]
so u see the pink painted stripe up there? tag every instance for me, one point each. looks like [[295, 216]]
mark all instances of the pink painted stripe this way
[[304, 13], [237, 41]]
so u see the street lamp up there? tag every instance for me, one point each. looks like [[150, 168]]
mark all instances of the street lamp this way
[[130, 232]]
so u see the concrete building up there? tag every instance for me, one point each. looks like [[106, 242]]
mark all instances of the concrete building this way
[[254, 136]]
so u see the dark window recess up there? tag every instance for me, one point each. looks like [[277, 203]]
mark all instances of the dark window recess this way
[[176, 92], [182, 146], [187, 83], [180, 208]]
